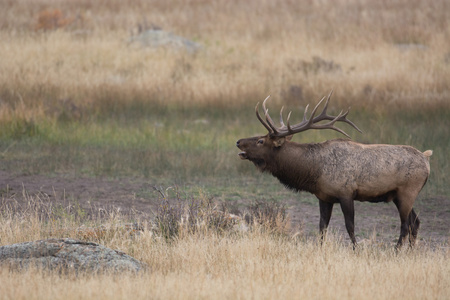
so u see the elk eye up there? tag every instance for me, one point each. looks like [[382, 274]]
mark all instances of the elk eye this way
[[261, 141]]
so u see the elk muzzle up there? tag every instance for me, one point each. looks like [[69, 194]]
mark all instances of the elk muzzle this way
[[243, 154]]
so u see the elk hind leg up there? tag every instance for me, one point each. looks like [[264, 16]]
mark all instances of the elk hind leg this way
[[404, 206], [414, 224], [326, 209]]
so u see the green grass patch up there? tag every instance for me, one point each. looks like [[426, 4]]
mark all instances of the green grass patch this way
[[196, 145]]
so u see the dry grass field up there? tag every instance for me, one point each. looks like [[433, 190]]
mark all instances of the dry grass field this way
[[254, 267], [92, 121], [395, 52], [265, 262]]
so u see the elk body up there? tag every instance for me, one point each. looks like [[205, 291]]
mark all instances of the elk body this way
[[340, 171]]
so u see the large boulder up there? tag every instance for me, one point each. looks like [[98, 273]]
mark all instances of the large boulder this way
[[67, 255]]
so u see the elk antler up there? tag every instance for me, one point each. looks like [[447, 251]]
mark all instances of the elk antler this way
[[306, 124]]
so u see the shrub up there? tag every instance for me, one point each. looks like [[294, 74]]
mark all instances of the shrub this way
[[187, 216], [270, 217]]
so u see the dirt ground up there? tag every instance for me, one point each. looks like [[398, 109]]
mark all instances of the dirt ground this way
[[374, 223]]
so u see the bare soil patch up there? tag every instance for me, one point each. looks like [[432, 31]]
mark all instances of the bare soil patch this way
[[377, 223]]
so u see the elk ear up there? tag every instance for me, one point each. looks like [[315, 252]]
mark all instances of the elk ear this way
[[278, 142], [289, 137]]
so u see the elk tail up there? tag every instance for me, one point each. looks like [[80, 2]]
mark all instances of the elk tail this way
[[428, 153]]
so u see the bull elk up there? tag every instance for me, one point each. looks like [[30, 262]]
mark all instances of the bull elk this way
[[340, 171]]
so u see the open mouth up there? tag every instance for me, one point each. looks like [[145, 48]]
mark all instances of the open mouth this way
[[243, 155]]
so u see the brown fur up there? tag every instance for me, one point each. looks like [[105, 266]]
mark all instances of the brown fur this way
[[342, 171]]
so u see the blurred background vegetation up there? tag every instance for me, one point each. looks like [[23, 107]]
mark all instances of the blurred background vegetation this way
[[80, 97]]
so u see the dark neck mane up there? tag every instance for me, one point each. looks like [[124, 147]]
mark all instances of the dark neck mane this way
[[297, 166]]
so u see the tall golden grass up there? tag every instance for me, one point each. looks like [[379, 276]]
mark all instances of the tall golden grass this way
[[254, 267], [209, 264], [391, 53]]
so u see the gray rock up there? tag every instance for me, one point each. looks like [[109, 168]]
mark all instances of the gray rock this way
[[67, 255], [160, 38]]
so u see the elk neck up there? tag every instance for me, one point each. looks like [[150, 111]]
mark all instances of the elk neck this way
[[297, 166]]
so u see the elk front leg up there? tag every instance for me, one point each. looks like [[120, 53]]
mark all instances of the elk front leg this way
[[325, 215], [348, 209]]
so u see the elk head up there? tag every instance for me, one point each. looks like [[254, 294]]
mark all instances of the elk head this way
[[261, 149]]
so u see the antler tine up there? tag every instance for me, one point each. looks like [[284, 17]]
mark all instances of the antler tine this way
[[344, 119], [281, 118], [269, 119], [305, 120], [311, 120], [261, 119], [288, 125], [330, 125], [264, 103], [323, 114], [304, 114], [270, 122], [315, 109]]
